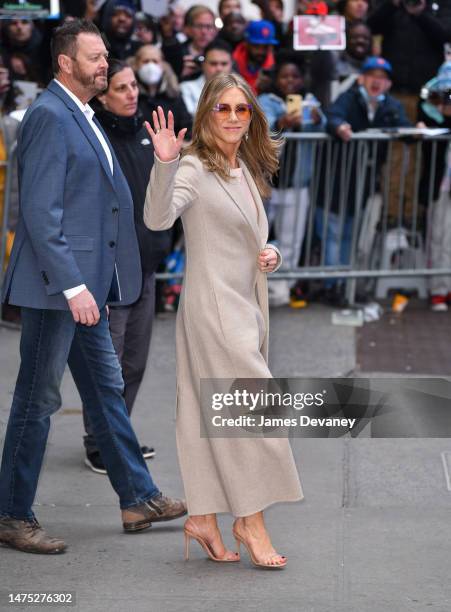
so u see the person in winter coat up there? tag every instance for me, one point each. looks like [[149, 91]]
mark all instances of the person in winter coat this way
[[255, 53], [118, 23], [130, 326], [21, 49], [365, 105], [222, 321], [186, 57]]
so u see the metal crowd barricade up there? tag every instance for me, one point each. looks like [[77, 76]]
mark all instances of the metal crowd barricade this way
[[358, 180], [357, 176]]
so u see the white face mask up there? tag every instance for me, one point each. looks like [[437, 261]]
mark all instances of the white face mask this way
[[150, 73]]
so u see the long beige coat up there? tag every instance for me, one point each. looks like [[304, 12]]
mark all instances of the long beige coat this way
[[221, 332]]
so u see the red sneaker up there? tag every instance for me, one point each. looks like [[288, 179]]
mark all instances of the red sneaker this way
[[439, 303]]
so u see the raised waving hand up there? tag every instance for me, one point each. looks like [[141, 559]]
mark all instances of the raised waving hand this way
[[165, 143]]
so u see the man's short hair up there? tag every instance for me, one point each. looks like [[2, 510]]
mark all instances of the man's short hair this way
[[218, 45], [195, 11], [64, 39]]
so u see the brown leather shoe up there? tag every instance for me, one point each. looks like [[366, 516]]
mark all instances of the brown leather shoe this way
[[159, 508], [28, 536]]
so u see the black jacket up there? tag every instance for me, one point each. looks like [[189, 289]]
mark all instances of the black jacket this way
[[134, 150], [174, 52], [182, 118], [413, 45], [350, 107], [119, 47]]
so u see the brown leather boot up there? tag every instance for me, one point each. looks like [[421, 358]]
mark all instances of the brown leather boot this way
[[28, 536], [159, 508]]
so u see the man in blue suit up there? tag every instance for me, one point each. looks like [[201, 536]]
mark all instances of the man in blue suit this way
[[75, 251]]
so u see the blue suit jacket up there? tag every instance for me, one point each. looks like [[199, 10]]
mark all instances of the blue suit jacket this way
[[76, 218]]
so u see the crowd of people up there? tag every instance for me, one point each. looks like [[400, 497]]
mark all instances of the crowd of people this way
[[84, 285], [172, 57], [411, 36], [187, 99]]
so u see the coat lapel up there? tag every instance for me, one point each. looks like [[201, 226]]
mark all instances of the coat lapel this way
[[235, 192], [94, 141], [85, 127], [262, 218]]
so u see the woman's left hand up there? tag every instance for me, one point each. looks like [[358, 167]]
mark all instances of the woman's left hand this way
[[267, 260]]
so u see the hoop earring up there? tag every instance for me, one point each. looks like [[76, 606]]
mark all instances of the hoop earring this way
[[246, 136]]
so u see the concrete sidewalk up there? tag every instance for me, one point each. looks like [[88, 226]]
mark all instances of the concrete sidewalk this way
[[371, 535]]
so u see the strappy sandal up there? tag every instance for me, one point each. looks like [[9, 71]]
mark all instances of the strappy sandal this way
[[240, 540], [206, 546]]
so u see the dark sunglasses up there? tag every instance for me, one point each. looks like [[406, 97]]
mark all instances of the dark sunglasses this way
[[243, 112]]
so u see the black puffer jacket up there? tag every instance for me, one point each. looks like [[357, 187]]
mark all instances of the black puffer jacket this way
[[413, 45], [134, 150]]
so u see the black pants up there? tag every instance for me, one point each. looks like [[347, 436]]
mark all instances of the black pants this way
[[131, 331]]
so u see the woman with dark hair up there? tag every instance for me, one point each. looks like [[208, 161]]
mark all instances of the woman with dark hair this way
[[222, 321], [130, 326]]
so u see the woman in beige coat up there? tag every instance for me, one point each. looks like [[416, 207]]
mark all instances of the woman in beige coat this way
[[222, 322]]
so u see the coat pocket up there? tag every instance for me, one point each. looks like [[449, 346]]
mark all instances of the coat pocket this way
[[80, 243]]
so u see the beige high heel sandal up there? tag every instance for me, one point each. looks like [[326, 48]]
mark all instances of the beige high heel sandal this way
[[240, 540], [205, 545]]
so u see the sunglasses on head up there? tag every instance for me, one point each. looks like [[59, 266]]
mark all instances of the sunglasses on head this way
[[243, 112]]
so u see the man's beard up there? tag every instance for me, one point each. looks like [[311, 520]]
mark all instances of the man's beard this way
[[89, 81]]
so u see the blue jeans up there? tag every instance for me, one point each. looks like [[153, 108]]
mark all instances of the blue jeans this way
[[131, 330], [338, 247], [49, 339]]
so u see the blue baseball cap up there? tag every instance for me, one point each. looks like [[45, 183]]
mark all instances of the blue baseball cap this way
[[261, 33], [124, 5], [376, 63]]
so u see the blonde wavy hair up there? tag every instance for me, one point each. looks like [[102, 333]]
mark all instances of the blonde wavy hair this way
[[259, 152]]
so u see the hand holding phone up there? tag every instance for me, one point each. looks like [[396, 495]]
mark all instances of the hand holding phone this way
[[294, 103]]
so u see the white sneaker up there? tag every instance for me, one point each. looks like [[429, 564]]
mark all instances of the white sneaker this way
[[438, 303], [439, 307]]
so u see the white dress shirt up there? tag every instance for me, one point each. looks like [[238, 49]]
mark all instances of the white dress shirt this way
[[191, 91], [89, 114]]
